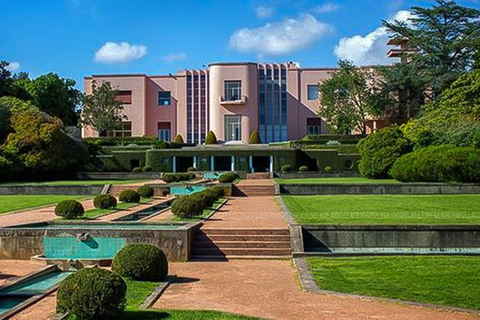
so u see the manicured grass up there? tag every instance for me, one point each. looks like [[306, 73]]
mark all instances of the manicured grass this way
[[361, 180], [73, 182], [443, 280], [385, 209], [23, 202], [205, 213]]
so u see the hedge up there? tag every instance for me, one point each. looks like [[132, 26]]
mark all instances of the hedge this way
[[177, 177], [129, 196], [104, 201], [145, 191], [228, 177], [194, 204], [439, 164], [69, 209]]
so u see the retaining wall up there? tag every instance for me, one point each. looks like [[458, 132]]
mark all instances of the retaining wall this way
[[315, 174], [87, 190], [118, 175]]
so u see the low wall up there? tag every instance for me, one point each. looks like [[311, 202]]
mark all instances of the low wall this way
[[403, 188], [88, 190], [315, 174], [391, 239], [23, 242], [118, 175]]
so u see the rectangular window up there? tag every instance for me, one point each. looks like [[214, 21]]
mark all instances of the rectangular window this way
[[233, 90], [164, 133], [164, 98], [233, 128], [314, 126], [124, 130], [312, 92], [124, 96]]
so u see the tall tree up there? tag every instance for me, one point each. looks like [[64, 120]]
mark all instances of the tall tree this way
[[101, 109], [6, 80], [345, 99], [54, 95], [447, 36]]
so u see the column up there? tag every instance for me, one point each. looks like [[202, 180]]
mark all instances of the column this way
[[195, 162], [212, 163], [271, 163], [250, 163], [233, 164]]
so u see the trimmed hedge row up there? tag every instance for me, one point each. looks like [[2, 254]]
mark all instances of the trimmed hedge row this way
[[228, 177], [439, 164], [177, 177], [194, 204]]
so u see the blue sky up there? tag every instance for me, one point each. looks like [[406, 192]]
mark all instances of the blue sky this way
[[75, 38]]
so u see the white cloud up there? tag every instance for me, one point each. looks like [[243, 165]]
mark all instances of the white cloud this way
[[263, 12], [281, 37], [13, 66], [112, 52], [326, 7], [370, 49], [173, 57]]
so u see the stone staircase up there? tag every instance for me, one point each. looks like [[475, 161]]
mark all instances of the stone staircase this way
[[217, 244], [254, 190], [259, 175], [115, 190]]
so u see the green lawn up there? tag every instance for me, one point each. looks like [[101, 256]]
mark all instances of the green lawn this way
[[385, 209], [335, 180], [73, 182], [205, 213], [443, 280], [23, 202]]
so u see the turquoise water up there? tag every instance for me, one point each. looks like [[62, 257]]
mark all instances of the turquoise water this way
[[211, 175], [71, 248], [36, 286], [7, 303], [182, 191], [106, 226], [145, 212]]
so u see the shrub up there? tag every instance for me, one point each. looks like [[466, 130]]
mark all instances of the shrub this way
[[137, 170], [439, 164], [191, 169], [286, 168], [218, 191], [303, 169], [205, 197], [178, 139], [228, 177], [191, 176], [129, 196], [69, 209], [327, 169], [186, 206], [254, 138], [147, 169], [211, 138], [92, 293], [105, 201], [176, 177], [145, 191], [141, 261], [380, 150]]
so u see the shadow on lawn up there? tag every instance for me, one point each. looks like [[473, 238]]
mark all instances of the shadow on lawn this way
[[146, 315]]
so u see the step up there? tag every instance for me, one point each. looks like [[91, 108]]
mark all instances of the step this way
[[241, 252], [243, 232], [246, 238], [199, 258], [244, 244]]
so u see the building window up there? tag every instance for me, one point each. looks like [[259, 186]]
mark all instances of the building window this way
[[124, 130], [314, 126], [164, 98], [124, 96], [312, 92], [233, 128], [233, 90], [164, 132]]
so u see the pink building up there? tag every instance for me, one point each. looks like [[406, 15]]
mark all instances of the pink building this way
[[231, 99]]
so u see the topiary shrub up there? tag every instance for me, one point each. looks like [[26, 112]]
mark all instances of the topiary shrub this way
[[438, 164], [129, 196], [286, 168], [254, 138], [178, 139], [228, 177], [69, 209], [104, 201], [176, 177], [205, 197], [380, 150], [186, 206], [191, 176], [145, 191], [191, 169], [211, 138], [141, 261], [218, 191], [92, 293], [137, 170], [303, 169], [147, 169]]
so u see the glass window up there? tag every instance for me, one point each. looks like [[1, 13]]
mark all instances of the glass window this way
[[124, 96], [164, 135], [124, 130], [312, 92], [233, 128], [164, 98], [233, 90], [314, 126]]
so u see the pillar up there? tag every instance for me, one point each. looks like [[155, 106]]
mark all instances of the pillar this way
[[271, 163], [233, 164], [174, 164], [250, 163]]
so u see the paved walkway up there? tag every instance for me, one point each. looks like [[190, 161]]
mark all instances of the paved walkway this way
[[256, 182], [11, 269]]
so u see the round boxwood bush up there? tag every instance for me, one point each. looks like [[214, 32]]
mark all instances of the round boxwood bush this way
[[228, 177], [286, 168], [438, 164], [105, 201], [147, 169], [380, 150], [186, 206], [69, 209], [141, 261], [137, 170], [191, 169], [206, 198], [303, 169], [92, 293], [145, 191], [218, 191], [130, 196]]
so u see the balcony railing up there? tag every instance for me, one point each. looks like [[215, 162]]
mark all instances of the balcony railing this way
[[233, 100]]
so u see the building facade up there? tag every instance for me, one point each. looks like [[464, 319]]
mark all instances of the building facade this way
[[231, 99]]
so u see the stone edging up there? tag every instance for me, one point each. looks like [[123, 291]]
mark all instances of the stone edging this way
[[156, 294], [216, 209]]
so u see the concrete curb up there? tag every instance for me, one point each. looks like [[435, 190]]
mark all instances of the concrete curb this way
[[156, 294]]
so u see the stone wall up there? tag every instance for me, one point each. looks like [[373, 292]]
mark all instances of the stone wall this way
[[88, 190]]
